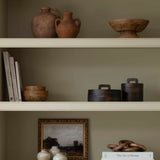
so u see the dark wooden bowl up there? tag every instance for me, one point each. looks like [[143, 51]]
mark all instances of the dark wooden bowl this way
[[128, 27]]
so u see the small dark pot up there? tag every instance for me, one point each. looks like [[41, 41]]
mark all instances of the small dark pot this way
[[100, 95]]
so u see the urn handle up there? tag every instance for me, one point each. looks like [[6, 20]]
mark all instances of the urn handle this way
[[56, 22], [79, 22], [58, 12], [132, 79], [105, 85]]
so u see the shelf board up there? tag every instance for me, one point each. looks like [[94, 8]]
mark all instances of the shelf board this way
[[79, 106], [80, 43]]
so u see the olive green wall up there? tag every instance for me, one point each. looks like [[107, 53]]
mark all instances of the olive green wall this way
[[3, 33], [69, 73], [3, 137], [104, 128], [94, 15], [3, 18]]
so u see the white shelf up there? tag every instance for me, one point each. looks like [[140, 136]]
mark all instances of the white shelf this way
[[80, 43], [79, 106]]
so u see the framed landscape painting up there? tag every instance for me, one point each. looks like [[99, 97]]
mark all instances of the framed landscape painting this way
[[70, 135]]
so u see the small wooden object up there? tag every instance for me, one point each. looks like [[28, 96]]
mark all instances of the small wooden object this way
[[35, 93], [128, 27], [132, 91], [127, 146], [102, 94]]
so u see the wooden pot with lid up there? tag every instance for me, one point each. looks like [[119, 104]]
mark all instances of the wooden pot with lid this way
[[101, 94], [132, 91]]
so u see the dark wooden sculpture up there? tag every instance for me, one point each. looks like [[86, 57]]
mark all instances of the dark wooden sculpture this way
[[127, 146]]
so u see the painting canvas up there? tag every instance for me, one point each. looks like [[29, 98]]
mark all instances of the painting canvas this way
[[69, 135]]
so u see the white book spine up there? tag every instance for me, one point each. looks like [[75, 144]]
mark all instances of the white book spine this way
[[14, 80], [19, 83], [8, 75], [105, 158], [127, 155], [127, 159]]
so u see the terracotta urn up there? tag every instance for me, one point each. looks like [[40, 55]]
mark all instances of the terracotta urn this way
[[43, 24], [129, 28], [67, 27], [43, 155]]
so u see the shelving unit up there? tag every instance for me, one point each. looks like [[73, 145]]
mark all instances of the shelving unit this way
[[80, 106], [79, 43], [69, 67]]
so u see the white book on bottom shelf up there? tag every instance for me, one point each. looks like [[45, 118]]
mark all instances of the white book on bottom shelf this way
[[8, 75], [127, 159], [127, 155], [19, 80], [14, 79]]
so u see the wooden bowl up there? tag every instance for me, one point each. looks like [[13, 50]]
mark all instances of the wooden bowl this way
[[35, 88], [128, 27], [35, 98], [35, 95]]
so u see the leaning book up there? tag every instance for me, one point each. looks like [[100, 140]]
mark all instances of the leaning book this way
[[13, 76], [8, 75], [19, 81]]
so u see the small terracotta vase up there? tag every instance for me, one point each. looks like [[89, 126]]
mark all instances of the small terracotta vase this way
[[43, 24], [67, 27]]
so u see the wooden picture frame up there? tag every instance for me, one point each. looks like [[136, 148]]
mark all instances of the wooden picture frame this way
[[78, 150]]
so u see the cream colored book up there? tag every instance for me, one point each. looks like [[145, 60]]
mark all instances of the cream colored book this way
[[14, 79], [8, 75], [19, 81], [127, 155]]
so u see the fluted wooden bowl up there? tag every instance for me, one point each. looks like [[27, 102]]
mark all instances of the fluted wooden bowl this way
[[128, 27]]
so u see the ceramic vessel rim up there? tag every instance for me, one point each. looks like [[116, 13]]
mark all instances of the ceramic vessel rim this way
[[35, 86], [125, 19], [54, 146], [45, 8], [60, 153], [135, 25], [43, 150], [67, 13]]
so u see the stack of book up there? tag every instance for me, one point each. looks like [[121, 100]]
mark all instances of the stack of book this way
[[12, 72], [127, 156]]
